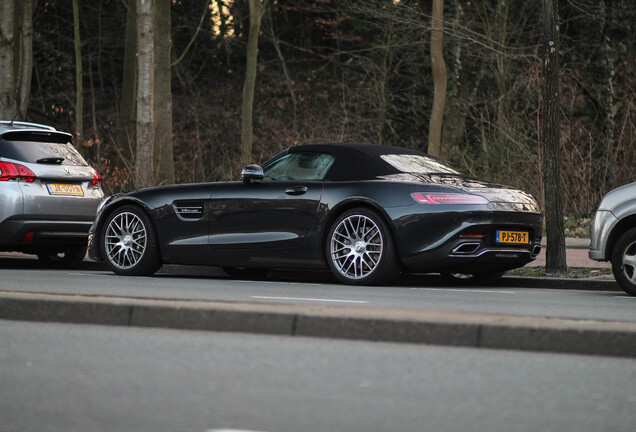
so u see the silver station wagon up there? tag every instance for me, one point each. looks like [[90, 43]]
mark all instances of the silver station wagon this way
[[48, 194], [613, 235]]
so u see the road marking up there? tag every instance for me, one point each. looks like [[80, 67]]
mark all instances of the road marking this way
[[466, 290], [230, 430], [308, 299], [289, 283], [107, 275]]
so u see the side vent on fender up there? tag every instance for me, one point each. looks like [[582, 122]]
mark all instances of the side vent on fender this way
[[189, 210]]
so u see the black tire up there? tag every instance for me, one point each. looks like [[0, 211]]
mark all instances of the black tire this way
[[247, 273], [71, 257], [624, 262], [129, 242], [360, 249], [479, 279]]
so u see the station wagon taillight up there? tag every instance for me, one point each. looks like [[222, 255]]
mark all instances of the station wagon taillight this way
[[96, 179], [14, 171]]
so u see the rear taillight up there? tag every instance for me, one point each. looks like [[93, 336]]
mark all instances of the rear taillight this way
[[448, 198], [14, 171], [97, 179]]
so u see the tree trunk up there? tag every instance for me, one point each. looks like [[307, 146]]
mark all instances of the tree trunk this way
[[127, 115], [257, 9], [163, 151], [145, 94], [79, 86], [8, 105], [550, 126], [603, 80], [439, 79], [25, 35]]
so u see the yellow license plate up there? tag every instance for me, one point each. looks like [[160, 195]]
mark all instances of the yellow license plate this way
[[65, 189], [513, 237]]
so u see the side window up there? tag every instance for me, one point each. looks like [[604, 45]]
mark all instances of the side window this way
[[299, 166]]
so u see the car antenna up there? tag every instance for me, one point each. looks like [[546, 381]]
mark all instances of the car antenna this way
[[17, 112]]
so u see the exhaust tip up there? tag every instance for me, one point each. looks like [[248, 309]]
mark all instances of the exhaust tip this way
[[467, 248]]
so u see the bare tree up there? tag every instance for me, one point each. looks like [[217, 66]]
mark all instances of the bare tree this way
[[8, 102], [439, 79], [163, 151], [145, 94], [550, 126], [257, 9], [127, 104], [79, 83], [25, 41]]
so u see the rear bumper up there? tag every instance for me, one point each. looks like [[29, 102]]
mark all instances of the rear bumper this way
[[34, 235], [484, 260], [466, 242]]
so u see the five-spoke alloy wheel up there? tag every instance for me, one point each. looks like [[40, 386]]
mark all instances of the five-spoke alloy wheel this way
[[361, 250], [129, 243]]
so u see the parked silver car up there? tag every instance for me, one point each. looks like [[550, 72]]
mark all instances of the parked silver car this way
[[613, 235], [48, 194]]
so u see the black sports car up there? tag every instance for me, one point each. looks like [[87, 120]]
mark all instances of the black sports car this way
[[366, 212]]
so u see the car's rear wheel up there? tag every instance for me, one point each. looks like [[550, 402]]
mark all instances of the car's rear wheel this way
[[129, 243], [71, 257], [361, 250], [624, 262]]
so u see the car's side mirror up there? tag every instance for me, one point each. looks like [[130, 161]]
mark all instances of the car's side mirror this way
[[252, 172]]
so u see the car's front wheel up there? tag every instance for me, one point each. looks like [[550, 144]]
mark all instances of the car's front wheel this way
[[624, 262], [129, 243], [361, 250]]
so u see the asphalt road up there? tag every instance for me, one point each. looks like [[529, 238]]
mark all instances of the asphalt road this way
[[62, 377], [425, 293]]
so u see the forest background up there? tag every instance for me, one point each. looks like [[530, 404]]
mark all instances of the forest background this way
[[344, 71]]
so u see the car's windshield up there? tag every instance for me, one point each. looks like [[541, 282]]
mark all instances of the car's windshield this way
[[418, 164], [299, 166]]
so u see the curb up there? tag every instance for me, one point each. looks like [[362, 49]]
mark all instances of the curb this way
[[587, 337], [583, 284]]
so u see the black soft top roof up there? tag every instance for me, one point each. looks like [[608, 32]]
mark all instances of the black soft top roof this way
[[356, 161]]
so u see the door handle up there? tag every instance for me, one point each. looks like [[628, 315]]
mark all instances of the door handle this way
[[296, 190]]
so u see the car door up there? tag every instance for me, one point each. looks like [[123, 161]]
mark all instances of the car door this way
[[263, 214], [278, 212]]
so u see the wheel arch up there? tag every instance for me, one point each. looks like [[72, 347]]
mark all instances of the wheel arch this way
[[621, 228], [116, 204], [345, 206]]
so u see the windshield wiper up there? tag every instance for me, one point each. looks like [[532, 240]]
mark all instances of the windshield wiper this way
[[51, 161]]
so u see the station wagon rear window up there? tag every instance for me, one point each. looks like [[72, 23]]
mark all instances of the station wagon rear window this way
[[31, 148]]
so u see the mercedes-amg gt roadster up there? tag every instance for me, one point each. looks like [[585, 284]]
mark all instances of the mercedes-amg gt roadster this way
[[366, 212]]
